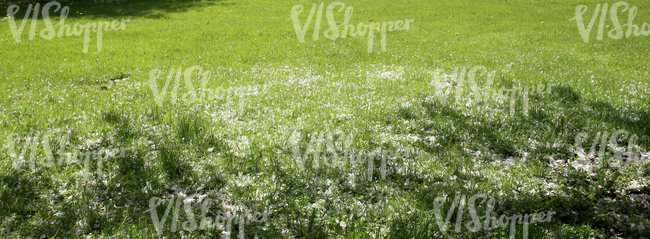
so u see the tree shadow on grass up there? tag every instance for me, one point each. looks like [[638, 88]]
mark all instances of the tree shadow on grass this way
[[552, 120], [594, 200], [153, 9], [18, 193]]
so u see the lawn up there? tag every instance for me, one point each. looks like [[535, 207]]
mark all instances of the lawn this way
[[235, 118]]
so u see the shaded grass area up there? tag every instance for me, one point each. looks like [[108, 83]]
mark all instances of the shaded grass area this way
[[595, 199], [177, 160], [116, 9]]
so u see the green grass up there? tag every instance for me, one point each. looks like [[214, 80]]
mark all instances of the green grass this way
[[239, 149]]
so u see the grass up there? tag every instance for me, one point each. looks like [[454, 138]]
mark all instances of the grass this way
[[324, 97]]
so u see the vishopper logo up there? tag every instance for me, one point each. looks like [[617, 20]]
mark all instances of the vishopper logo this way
[[476, 85], [334, 32], [605, 139], [49, 31], [489, 220], [616, 31], [192, 94], [23, 149], [457, 84], [333, 150], [223, 222]]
